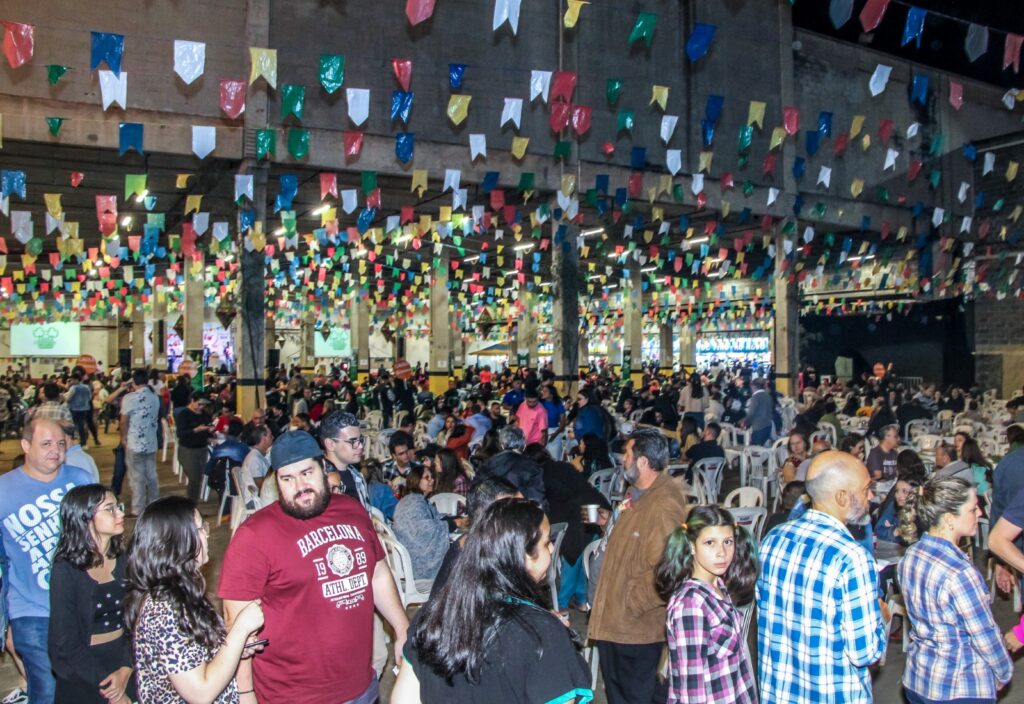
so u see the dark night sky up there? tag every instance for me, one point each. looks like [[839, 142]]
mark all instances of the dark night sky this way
[[942, 46]]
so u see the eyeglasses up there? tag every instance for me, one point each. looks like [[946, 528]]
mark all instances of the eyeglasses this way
[[113, 509], [352, 442]]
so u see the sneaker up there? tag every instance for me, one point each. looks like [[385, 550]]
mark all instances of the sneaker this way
[[17, 696]]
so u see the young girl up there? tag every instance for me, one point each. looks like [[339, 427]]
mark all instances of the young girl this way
[[708, 562]]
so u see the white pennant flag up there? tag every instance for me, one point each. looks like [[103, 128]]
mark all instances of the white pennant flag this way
[[962, 193], [879, 79], [673, 160], [1010, 98], [912, 129], [349, 201], [114, 89], [459, 198], [808, 235], [965, 226], [113, 247], [5, 205], [220, 231], [668, 126], [990, 163], [189, 59], [477, 146], [21, 225], [825, 176], [358, 104], [773, 195], [243, 186], [506, 10], [53, 223], [698, 184], [451, 179], [890, 159], [513, 111], [204, 140], [200, 223], [540, 84], [787, 245], [937, 215]]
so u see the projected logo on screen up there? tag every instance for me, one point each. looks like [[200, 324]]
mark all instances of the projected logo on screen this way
[[47, 340], [46, 337], [337, 344]]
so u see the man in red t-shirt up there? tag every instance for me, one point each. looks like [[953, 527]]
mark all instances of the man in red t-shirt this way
[[316, 564]]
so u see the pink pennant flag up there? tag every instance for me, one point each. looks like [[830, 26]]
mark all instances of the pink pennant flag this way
[[872, 14], [1011, 51]]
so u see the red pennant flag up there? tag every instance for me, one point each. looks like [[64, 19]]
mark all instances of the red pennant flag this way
[[885, 130], [559, 118], [373, 200], [702, 199], [497, 199], [1011, 51], [727, 182], [635, 186], [353, 144], [914, 170], [872, 14], [581, 115], [408, 213], [76, 178], [19, 43], [419, 10], [841, 143], [509, 214], [232, 98], [768, 165], [791, 120], [188, 240], [608, 148], [328, 185], [403, 72], [562, 86]]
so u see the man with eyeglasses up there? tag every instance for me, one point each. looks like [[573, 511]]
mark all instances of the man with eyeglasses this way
[[344, 443], [30, 499]]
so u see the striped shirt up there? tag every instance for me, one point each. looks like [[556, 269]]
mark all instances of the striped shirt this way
[[956, 650], [819, 622], [708, 658]]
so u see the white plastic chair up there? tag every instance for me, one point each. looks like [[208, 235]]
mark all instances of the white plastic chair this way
[[448, 503], [555, 568], [165, 429], [590, 653], [751, 518], [744, 497], [760, 467], [602, 480], [410, 589], [710, 470], [373, 420], [248, 493]]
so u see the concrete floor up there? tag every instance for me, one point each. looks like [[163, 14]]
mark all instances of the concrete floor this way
[[887, 688]]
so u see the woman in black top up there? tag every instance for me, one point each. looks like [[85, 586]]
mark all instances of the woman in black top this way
[[195, 428], [90, 653], [489, 635]]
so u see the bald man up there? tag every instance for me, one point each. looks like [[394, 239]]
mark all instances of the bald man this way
[[820, 623]]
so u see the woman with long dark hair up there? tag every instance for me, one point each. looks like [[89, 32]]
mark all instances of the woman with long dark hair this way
[[176, 628], [708, 565], [449, 474], [90, 653], [694, 400], [489, 633], [419, 526]]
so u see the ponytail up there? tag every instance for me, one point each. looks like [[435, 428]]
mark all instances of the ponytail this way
[[926, 506]]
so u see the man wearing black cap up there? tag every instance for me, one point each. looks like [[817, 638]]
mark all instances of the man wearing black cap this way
[[316, 563]]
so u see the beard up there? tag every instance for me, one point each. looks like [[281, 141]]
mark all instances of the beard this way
[[858, 511], [631, 474], [296, 510]]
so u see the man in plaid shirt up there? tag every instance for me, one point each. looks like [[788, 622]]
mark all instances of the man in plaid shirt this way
[[52, 408], [820, 623]]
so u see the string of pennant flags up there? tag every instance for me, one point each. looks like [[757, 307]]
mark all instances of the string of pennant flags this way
[[394, 264]]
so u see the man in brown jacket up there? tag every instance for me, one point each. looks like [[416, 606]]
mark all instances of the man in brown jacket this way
[[628, 619]]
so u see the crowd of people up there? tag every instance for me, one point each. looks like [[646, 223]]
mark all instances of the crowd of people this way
[[96, 614]]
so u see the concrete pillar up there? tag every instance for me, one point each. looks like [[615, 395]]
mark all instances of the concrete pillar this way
[[158, 333], [526, 332], [787, 325], [632, 324], [359, 317], [270, 342], [440, 328], [195, 313], [138, 337], [123, 341], [307, 341], [458, 354], [687, 348], [584, 353], [565, 311], [665, 349]]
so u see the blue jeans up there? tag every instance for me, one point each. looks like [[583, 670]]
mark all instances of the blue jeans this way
[[915, 698], [30, 635], [573, 583], [761, 437]]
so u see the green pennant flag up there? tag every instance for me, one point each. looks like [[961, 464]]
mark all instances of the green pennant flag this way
[[677, 193], [293, 99], [614, 90], [748, 187], [134, 184], [743, 160], [882, 194], [54, 72], [332, 71], [644, 28], [369, 182], [526, 180], [934, 177], [563, 149], [819, 210], [266, 143], [157, 219], [746, 136], [54, 123], [591, 197], [624, 121], [298, 143], [935, 149]]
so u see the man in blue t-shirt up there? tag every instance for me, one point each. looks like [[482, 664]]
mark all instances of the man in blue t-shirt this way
[[30, 499]]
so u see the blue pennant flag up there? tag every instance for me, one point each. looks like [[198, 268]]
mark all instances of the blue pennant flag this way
[[700, 40], [289, 184], [914, 28], [130, 134], [401, 104], [405, 145], [107, 48], [455, 72]]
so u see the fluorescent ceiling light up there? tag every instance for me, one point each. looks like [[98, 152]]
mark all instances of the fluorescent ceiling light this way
[[321, 210], [522, 247], [592, 231], [647, 269]]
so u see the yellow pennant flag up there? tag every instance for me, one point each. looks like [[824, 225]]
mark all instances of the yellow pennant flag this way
[[53, 206], [665, 184], [726, 208], [857, 187], [755, 116], [865, 142], [659, 95], [458, 108], [1015, 215], [778, 137], [264, 63], [572, 13], [652, 194], [328, 215], [419, 181], [181, 181], [657, 214], [568, 184], [856, 126], [705, 161], [446, 214], [1011, 170], [519, 146], [193, 203]]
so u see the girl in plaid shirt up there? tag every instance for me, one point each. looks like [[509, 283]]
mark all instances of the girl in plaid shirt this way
[[708, 563]]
